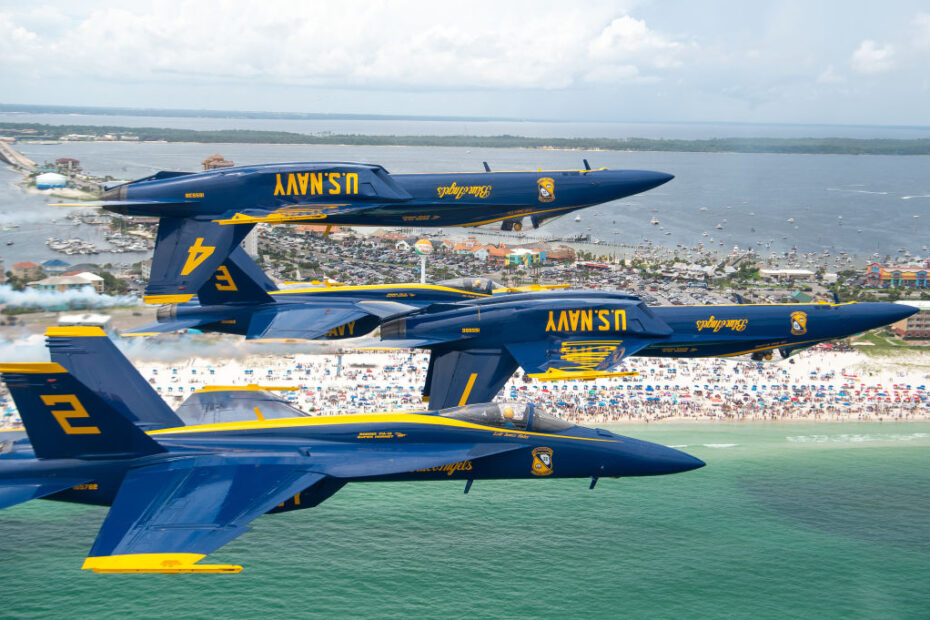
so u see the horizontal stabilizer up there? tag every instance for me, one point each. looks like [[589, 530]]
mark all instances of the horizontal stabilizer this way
[[17, 491], [166, 327]]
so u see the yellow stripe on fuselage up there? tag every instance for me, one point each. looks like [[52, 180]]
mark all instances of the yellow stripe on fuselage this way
[[362, 418], [379, 287]]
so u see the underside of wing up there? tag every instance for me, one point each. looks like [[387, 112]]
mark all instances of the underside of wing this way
[[168, 516], [574, 358], [310, 323], [313, 213]]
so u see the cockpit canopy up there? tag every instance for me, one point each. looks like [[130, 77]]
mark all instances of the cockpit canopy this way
[[217, 406], [474, 285], [508, 415]]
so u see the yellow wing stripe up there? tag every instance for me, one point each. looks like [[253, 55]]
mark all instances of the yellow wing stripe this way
[[170, 563], [78, 331], [33, 368], [166, 299]]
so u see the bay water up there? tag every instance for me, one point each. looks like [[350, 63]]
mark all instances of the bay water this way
[[786, 520]]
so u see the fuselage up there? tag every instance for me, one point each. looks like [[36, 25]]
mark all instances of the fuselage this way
[[367, 195], [337, 442], [665, 331]]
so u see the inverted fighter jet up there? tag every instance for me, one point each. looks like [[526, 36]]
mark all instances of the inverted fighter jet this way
[[479, 333], [206, 214], [97, 433]]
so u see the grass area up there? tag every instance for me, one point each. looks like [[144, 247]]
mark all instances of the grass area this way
[[886, 344]]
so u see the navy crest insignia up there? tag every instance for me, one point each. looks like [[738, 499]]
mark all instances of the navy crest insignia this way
[[542, 461]]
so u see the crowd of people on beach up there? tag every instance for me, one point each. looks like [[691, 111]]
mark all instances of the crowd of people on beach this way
[[819, 385]]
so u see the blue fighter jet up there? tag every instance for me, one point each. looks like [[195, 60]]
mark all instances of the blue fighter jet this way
[[204, 215], [97, 433], [479, 333]]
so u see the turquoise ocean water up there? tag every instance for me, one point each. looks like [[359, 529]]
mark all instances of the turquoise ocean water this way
[[828, 520]]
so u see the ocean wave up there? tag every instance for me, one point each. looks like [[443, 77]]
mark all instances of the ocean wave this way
[[915, 196], [855, 191], [856, 438]]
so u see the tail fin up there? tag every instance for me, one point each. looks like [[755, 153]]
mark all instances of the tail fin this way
[[463, 377], [187, 252], [64, 419], [92, 358], [238, 279]]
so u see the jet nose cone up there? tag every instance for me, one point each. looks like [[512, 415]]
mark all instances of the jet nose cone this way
[[647, 179], [675, 461], [896, 312], [621, 183], [880, 314]]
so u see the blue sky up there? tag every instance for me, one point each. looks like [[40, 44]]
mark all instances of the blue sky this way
[[714, 60]]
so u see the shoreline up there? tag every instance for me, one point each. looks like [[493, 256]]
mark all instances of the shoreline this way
[[731, 145]]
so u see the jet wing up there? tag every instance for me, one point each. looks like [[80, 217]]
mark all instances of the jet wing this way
[[17, 491], [302, 322], [168, 516], [386, 309], [574, 358]]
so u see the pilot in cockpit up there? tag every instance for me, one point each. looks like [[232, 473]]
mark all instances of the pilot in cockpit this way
[[508, 417]]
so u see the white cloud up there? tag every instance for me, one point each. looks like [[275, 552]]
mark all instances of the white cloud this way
[[351, 44], [629, 39], [920, 27], [871, 59], [830, 76]]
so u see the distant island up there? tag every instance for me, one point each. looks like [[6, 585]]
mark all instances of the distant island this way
[[810, 146]]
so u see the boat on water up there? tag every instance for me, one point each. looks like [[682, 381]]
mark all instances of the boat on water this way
[[654, 221]]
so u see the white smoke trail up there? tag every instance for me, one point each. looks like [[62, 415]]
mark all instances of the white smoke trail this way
[[84, 297]]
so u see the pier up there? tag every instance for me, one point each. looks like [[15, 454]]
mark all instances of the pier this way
[[15, 158]]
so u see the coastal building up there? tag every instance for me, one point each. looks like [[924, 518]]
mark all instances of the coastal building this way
[[890, 276], [67, 165], [55, 267], [525, 257], [216, 161], [64, 283], [26, 270], [916, 325], [787, 274], [50, 180]]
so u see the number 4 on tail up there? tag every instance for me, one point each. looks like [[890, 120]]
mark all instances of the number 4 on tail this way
[[196, 254]]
